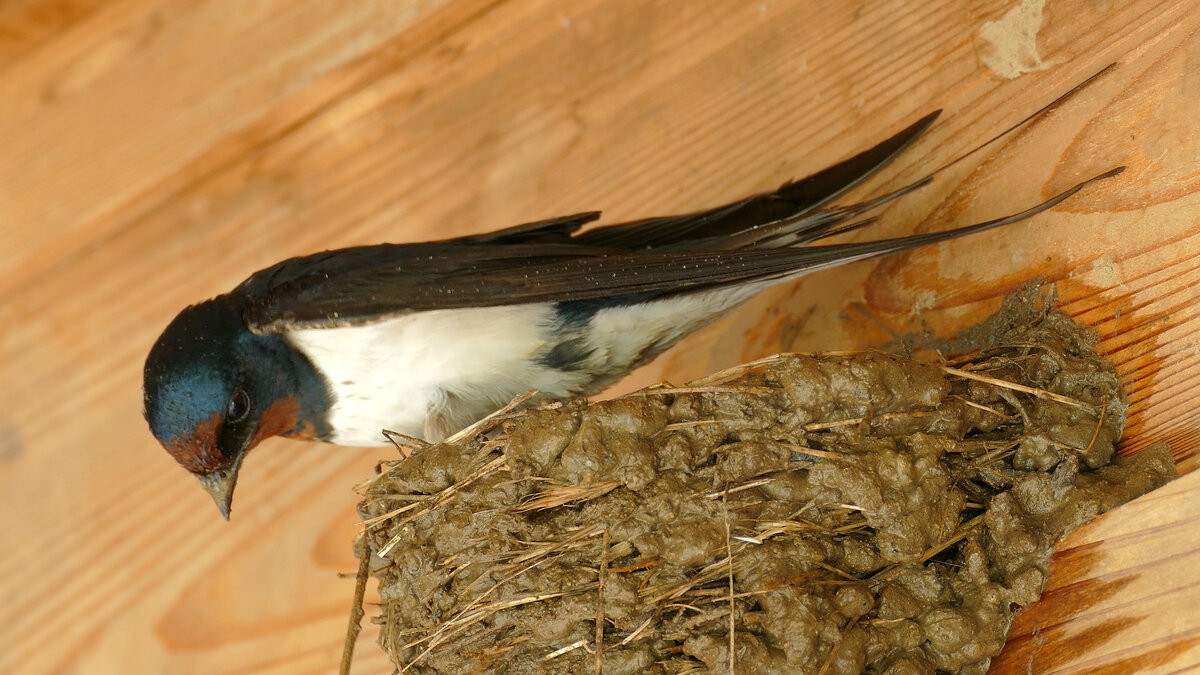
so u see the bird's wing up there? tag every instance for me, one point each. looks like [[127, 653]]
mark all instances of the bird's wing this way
[[758, 238], [362, 285], [299, 291]]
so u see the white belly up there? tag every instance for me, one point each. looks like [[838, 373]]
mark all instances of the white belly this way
[[417, 373], [429, 374]]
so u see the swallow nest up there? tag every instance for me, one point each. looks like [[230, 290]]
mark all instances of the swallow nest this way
[[822, 513]]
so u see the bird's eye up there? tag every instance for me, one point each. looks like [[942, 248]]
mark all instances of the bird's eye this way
[[239, 405]]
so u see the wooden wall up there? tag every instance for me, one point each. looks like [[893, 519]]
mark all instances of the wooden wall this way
[[155, 152]]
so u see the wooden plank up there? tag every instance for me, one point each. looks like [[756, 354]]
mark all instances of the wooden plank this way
[[148, 167], [30, 24], [134, 92]]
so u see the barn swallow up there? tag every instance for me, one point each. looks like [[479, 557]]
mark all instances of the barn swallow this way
[[426, 338]]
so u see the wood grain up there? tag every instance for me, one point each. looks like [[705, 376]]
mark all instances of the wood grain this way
[[158, 151]]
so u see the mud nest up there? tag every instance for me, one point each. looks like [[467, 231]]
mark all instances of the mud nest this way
[[825, 513]]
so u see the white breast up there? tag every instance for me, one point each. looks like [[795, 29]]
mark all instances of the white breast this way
[[429, 374], [423, 373]]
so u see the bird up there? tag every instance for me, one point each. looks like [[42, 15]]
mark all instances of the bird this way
[[426, 338]]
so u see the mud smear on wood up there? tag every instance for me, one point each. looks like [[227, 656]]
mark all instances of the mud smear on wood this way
[[829, 513]]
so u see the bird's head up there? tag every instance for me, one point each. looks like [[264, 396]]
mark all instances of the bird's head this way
[[214, 390]]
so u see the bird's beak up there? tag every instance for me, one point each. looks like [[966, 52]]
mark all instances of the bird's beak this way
[[220, 485]]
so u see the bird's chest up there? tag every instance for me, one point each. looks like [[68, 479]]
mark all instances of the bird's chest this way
[[399, 372]]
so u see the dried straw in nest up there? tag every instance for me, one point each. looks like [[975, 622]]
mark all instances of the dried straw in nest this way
[[824, 513]]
